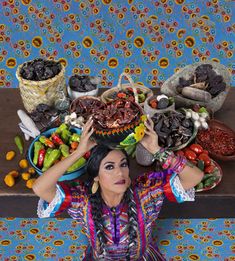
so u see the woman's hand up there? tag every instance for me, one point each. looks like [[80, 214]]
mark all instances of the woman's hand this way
[[86, 143], [150, 139]]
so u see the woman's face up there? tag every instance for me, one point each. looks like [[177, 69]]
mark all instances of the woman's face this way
[[114, 173]]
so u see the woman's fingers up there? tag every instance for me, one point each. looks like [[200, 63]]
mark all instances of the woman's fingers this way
[[88, 125]]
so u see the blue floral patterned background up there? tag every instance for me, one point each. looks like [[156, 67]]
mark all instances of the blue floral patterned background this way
[[59, 239], [151, 40]]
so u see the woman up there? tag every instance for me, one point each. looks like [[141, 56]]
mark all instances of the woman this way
[[116, 213]]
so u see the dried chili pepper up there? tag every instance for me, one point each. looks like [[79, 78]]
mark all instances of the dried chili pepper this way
[[217, 141]]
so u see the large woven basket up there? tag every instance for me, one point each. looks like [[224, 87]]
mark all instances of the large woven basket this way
[[36, 92], [107, 95], [169, 87]]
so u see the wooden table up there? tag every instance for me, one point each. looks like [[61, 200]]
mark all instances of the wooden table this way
[[20, 201]]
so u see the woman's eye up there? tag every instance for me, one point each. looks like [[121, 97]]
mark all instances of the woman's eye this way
[[124, 164], [109, 167]]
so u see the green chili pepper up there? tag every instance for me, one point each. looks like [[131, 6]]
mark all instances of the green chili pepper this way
[[19, 143], [207, 176], [65, 135], [62, 127], [79, 163], [75, 137], [54, 155], [37, 146], [49, 150], [199, 186], [209, 182], [64, 150]]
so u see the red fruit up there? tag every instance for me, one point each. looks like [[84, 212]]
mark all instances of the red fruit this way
[[196, 148], [189, 154], [121, 95], [205, 158], [209, 169], [180, 153], [205, 152]]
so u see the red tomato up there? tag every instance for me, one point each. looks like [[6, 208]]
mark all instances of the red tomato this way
[[205, 152], [209, 169], [205, 158], [180, 153], [189, 154], [196, 148], [194, 162]]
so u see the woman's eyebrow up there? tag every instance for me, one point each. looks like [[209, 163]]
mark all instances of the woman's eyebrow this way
[[111, 162]]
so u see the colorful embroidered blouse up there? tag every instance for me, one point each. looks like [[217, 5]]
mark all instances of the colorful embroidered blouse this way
[[149, 191]]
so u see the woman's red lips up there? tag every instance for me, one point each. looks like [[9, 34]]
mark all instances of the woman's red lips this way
[[121, 182]]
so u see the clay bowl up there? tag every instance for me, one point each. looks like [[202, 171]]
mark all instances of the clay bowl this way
[[215, 124]]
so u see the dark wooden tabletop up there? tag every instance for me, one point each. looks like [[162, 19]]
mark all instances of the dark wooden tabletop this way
[[19, 201]]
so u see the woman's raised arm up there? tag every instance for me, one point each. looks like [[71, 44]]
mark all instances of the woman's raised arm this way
[[45, 185], [189, 176]]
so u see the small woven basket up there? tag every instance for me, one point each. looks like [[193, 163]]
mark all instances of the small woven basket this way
[[107, 95], [36, 92]]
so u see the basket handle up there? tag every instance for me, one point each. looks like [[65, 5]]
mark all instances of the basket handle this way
[[131, 83]]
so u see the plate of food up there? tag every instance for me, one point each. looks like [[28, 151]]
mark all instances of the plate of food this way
[[213, 174]]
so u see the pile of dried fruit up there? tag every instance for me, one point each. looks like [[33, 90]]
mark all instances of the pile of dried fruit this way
[[86, 106], [43, 116], [40, 69], [83, 83], [173, 128], [116, 114], [203, 85]]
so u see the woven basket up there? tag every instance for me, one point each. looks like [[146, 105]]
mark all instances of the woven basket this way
[[107, 95], [169, 87], [36, 92]]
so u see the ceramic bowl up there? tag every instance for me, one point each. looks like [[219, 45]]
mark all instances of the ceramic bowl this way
[[215, 124], [68, 175]]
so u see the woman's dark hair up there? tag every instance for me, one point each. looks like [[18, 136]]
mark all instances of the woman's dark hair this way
[[98, 153]]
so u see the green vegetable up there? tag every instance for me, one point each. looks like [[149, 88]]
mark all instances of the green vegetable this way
[[206, 176], [37, 146], [49, 150], [65, 135], [209, 182], [79, 163], [54, 156], [75, 137], [199, 186], [62, 127], [201, 165], [203, 109], [19, 143], [64, 150]]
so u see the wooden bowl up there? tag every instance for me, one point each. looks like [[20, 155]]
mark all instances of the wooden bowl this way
[[215, 124]]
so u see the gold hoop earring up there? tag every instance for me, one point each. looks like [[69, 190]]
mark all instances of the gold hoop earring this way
[[94, 187]]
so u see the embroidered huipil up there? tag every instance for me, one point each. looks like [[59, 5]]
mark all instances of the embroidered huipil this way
[[149, 189]]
